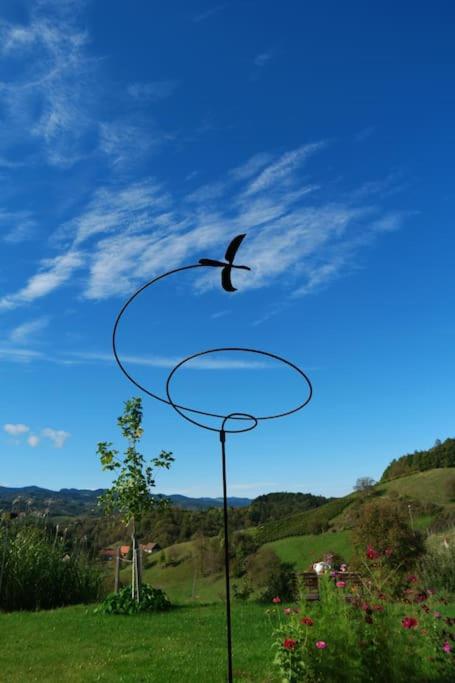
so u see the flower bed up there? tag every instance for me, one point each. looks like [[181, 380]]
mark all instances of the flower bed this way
[[365, 634]]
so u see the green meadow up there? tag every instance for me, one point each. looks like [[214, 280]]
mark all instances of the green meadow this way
[[186, 644]]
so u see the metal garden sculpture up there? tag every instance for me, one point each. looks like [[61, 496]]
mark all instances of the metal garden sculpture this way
[[240, 419]]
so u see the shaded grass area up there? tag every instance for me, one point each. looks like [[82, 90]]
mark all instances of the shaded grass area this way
[[186, 644], [305, 550], [303, 523]]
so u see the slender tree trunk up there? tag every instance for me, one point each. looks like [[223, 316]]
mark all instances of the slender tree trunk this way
[[133, 564], [117, 570], [136, 572]]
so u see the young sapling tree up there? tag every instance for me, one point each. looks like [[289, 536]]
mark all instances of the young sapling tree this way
[[130, 494]]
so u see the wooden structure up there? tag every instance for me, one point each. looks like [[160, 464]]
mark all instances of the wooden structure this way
[[309, 585], [309, 582]]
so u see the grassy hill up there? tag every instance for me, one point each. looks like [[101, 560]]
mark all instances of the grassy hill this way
[[428, 493], [430, 486], [303, 551], [181, 580]]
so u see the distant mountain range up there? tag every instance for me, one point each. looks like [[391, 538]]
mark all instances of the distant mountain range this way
[[84, 501]]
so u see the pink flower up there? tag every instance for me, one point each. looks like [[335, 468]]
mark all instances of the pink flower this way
[[437, 614], [372, 554], [409, 622], [340, 584], [287, 610], [321, 644], [276, 600], [447, 647], [388, 552], [289, 644], [412, 579]]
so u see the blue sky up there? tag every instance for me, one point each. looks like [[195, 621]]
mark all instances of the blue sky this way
[[138, 138]]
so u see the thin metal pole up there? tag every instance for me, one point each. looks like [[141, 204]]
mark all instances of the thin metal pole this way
[[226, 558], [117, 570]]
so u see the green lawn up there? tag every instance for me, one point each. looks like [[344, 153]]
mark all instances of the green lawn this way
[[184, 645]]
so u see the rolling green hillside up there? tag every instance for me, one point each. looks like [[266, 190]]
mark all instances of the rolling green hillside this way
[[305, 537], [430, 486], [429, 493], [310, 522]]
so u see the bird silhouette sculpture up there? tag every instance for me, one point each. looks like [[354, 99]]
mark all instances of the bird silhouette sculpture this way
[[227, 265]]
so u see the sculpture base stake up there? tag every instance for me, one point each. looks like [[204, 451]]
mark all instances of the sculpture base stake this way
[[226, 557]]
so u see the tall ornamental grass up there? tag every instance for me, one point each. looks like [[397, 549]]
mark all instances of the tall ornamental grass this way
[[36, 572]]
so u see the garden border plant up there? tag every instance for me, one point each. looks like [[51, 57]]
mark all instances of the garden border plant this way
[[368, 635]]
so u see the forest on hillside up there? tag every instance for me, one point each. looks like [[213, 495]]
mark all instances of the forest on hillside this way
[[441, 455]]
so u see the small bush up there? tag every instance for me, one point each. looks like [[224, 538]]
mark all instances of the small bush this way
[[242, 591], [270, 577], [383, 524], [152, 600], [437, 568]]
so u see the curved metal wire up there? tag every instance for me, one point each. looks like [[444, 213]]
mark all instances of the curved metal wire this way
[[246, 416], [179, 408]]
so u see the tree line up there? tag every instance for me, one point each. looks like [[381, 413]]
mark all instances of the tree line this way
[[441, 455]]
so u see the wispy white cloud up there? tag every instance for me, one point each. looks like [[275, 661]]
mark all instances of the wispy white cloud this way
[[47, 100], [282, 171], [131, 232], [152, 90], [55, 97], [57, 436], [16, 429], [251, 167], [203, 16], [53, 274], [19, 355], [18, 226], [263, 58], [127, 209], [126, 141], [28, 331], [171, 362], [33, 440]]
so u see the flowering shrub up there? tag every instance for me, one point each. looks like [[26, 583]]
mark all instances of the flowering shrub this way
[[358, 635]]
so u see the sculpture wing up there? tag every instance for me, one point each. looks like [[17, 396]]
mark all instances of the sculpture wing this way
[[226, 280], [232, 248]]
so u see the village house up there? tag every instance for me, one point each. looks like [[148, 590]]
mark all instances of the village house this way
[[150, 547]]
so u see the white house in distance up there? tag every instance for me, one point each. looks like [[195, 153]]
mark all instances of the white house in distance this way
[[150, 548]]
